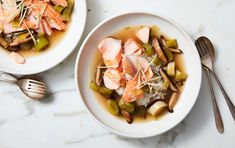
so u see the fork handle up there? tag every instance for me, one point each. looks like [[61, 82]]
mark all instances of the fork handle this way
[[218, 119], [227, 99], [4, 77]]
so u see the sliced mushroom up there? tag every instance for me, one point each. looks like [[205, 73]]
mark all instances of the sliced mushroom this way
[[16, 33], [162, 41], [177, 51], [10, 37], [179, 84], [158, 50], [99, 74], [20, 42], [3, 42], [127, 116], [13, 48], [173, 100], [141, 112], [171, 85]]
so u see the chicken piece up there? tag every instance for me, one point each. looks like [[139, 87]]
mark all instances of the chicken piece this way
[[128, 66], [143, 34], [138, 52], [146, 67], [20, 42], [131, 92], [111, 50], [19, 59], [143, 62], [130, 47], [10, 10], [158, 50], [32, 17], [112, 79], [54, 18], [40, 29], [9, 28], [60, 2], [41, 8], [46, 27], [132, 63]]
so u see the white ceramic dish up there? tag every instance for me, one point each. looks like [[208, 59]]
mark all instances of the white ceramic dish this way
[[54, 56], [143, 129]]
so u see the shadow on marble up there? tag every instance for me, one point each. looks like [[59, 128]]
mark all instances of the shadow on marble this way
[[201, 114]]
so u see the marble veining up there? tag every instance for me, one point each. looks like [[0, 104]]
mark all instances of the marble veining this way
[[90, 137], [70, 114]]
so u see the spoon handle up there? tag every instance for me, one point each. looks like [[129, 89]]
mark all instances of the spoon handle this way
[[227, 99], [218, 119]]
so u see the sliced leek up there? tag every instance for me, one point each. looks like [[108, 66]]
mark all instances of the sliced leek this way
[[157, 108]]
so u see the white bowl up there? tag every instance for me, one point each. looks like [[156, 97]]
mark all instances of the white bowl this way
[[143, 129], [58, 51]]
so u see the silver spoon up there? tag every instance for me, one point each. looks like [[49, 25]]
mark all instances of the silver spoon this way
[[32, 88], [207, 65], [210, 47]]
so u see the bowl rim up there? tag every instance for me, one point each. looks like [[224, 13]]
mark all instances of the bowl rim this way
[[83, 24], [85, 42]]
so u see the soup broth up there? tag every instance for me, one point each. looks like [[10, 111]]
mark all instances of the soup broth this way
[[124, 35]]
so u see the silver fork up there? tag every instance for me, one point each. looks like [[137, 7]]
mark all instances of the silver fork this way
[[207, 64], [31, 88]]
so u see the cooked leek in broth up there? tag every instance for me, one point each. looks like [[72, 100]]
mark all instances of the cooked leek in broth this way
[[138, 73], [34, 26]]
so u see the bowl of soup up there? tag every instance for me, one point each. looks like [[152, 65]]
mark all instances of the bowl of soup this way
[[40, 34], [138, 74]]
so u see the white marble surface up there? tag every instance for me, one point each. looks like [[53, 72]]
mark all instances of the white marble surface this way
[[61, 121]]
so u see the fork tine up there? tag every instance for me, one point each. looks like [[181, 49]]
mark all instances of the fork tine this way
[[200, 48], [204, 48], [37, 92], [37, 85], [34, 86], [37, 82], [35, 89]]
